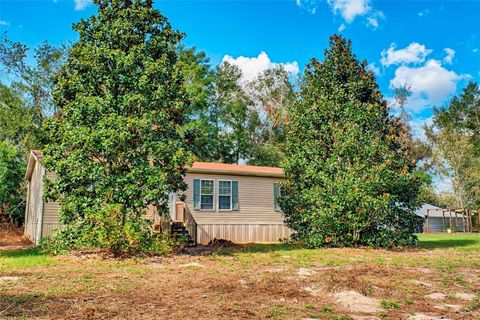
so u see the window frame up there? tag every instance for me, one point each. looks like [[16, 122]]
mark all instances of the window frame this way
[[224, 195], [275, 201], [213, 195]]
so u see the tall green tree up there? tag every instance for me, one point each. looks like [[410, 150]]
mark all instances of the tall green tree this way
[[32, 82], [462, 113], [455, 159], [199, 84], [351, 180], [25, 101], [17, 121], [455, 137], [232, 121], [12, 169], [230, 115], [421, 151], [118, 144], [272, 92]]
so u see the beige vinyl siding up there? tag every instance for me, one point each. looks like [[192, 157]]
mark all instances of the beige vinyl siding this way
[[39, 210], [50, 218], [256, 219], [50, 214], [35, 204]]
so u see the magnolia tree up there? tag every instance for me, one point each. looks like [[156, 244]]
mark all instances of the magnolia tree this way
[[117, 144], [351, 179]]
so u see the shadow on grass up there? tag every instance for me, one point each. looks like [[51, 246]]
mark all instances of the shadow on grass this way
[[24, 253], [448, 243], [24, 305], [259, 248], [462, 242]]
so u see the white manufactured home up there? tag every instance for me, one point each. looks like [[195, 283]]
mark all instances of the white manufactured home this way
[[222, 201]]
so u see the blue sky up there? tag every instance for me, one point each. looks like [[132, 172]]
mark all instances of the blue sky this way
[[432, 45]]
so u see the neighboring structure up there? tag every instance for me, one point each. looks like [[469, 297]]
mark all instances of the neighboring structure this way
[[440, 220], [41, 217], [223, 201]]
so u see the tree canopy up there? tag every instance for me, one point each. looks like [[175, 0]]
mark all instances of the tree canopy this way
[[117, 143], [455, 138], [351, 179]]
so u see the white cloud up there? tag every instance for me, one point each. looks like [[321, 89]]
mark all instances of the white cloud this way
[[372, 67], [424, 12], [342, 27], [430, 83], [350, 9], [414, 53], [307, 5], [81, 4], [252, 67], [372, 21], [450, 55], [4, 23]]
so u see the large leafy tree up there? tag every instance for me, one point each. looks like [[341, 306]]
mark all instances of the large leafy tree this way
[[462, 114], [455, 137], [118, 139], [232, 119], [29, 89], [272, 92], [351, 180], [455, 159], [12, 169], [199, 80], [421, 151], [17, 121], [25, 102]]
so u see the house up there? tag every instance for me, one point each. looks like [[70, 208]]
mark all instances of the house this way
[[222, 201], [41, 217], [438, 219]]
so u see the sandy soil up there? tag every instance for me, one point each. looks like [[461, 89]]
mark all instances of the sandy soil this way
[[234, 283], [11, 238]]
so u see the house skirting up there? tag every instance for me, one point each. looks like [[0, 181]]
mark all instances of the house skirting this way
[[243, 233]]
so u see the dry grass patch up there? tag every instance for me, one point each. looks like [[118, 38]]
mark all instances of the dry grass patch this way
[[248, 282]]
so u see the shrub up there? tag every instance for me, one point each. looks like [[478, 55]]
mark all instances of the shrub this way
[[104, 230]]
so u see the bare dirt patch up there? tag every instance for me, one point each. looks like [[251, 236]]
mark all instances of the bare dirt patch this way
[[357, 303], [11, 238], [239, 283]]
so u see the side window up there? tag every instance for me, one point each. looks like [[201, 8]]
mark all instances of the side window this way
[[206, 194], [224, 195], [277, 192]]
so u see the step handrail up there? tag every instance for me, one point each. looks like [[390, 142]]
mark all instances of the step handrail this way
[[189, 223]]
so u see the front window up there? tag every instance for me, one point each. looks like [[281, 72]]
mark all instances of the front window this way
[[224, 195], [206, 195]]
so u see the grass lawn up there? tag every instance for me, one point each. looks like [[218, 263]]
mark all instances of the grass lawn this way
[[441, 278]]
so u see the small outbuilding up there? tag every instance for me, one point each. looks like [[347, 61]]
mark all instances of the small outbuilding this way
[[438, 219]]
